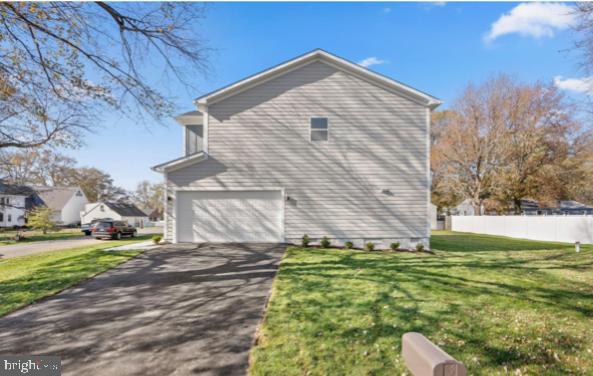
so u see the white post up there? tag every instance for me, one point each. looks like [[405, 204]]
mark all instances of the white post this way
[[577, 246]]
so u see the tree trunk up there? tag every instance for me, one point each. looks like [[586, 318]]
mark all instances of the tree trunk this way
[[517, 205]]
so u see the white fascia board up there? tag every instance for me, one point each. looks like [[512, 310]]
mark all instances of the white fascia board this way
[[318, 55], [178, 163], [254, 79], [189, 119]]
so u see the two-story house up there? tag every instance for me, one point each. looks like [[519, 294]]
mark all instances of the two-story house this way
[[15, 200], [317, 145]]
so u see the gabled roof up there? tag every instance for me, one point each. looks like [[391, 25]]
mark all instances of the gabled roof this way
[[125, 209], [324, 56], [15, 190], [570, 204], [180, 162], [56, 198]]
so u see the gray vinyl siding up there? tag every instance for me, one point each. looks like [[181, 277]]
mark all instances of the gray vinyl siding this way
[[259, 139]]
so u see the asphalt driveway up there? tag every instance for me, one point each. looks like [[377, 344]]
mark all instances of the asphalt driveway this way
[[176, 310]]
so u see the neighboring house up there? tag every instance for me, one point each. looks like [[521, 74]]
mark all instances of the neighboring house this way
[[317, 145], [66, 203], [466, 208], [114, 210], [573, 208], [15, 200], [568, 207]]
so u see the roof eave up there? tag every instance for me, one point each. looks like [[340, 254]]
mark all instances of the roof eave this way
[[434, 104], [180, 162], [315, 55]]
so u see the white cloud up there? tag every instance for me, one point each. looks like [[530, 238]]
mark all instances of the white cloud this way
[[533, 19], [371, 61], [579, 85]]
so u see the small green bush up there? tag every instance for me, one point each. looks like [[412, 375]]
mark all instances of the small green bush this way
[[325, 243], [394, 246], [348, 245], [369, 246], [419, 247], [305, 240], [157, 239]]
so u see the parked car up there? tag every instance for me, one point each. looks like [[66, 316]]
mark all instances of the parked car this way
[[113, 230], [87, 228]]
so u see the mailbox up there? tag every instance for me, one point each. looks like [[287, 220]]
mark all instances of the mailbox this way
[[424, 358]]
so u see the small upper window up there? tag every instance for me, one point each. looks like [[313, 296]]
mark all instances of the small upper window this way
[[194, 139], [319, 129]]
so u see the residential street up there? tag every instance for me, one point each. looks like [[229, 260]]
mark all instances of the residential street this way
[[180, 309], [23, 249]]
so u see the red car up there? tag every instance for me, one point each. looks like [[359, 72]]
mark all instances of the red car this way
[[113, 230]]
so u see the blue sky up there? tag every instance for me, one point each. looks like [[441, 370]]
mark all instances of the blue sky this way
[[435, 47]]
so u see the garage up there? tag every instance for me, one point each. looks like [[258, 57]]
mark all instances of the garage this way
[[229, 216]]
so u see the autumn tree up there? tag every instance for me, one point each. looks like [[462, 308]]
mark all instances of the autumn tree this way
[[149, 195], [444, 190], [504, 141], [17, 167], [538, 128], [98, 185], [35, 166], [465, 152], [63, 63], [49, 168]]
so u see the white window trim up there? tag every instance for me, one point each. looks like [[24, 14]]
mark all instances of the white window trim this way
[[186, 133], [311, 129]]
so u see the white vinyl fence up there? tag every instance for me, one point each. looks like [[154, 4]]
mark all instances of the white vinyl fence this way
[[557, 228]]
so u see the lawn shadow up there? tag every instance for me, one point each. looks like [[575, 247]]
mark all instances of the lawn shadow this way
[[444, 297]]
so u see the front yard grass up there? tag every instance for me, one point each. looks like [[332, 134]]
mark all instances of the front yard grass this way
[[502, 306], [25, 279], [7, 237]]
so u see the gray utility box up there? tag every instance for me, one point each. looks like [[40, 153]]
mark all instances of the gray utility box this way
[[424, 358]]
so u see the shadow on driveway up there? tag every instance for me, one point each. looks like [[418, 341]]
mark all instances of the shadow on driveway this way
[[181, 309]]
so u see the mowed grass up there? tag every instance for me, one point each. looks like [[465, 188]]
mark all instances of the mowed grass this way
[[7, 237], [502, 306], [23, 280]]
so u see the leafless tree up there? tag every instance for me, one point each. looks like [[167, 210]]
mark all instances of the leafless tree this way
[[62, 63]]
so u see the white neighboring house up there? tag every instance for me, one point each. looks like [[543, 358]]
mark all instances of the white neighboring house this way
[[66, 203], [467, 208], [317, 145], [14, 201], [114, 210]]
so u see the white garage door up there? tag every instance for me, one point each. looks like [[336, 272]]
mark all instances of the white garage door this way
[[229, 216]]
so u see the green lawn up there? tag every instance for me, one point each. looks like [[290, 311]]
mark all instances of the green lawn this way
[[502, 306], [26, 279], [7, 237]]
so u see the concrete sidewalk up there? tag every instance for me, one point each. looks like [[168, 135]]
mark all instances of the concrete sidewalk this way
[[23, 249]]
